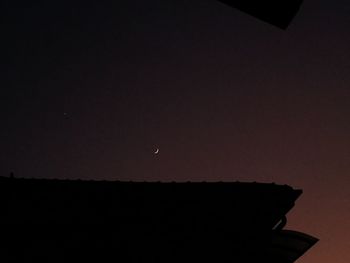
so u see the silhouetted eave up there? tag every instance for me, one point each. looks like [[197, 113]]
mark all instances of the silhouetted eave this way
[[277, 13], [289, 245], [235, 204], [157, 222]]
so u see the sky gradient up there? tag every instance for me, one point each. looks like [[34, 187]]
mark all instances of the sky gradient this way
[[91, 92]]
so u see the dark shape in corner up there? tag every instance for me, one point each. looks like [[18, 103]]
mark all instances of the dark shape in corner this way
[[276, 12], [101, 221]]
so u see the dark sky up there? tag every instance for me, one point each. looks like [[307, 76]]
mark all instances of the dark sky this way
[[91, 92]]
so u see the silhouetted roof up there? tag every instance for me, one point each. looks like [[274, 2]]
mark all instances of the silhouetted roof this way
[[289, 245], [237, 203], [276, 12], [148, 221]]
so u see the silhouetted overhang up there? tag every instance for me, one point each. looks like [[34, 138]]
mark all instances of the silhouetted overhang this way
[[289, 245], [233, 206], [276, 12]]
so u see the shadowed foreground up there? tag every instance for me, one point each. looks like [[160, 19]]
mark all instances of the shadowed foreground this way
[[74, 221]]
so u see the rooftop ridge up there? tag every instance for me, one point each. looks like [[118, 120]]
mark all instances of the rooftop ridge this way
[[153, 182]]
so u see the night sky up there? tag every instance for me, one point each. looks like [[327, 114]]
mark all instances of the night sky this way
[[91, 92]]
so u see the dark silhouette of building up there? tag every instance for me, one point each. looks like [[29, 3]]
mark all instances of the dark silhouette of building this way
[[276, 12], [76, 220]]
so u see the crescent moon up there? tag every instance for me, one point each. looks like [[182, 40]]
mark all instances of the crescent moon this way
[[157, 151]]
